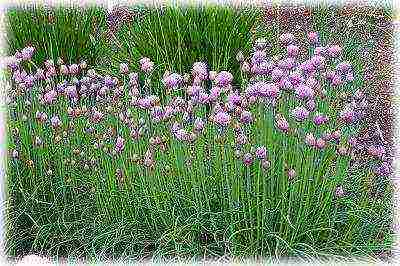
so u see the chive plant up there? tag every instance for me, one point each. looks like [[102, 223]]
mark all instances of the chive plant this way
[[102, 166], [177, 36], [71, 33]]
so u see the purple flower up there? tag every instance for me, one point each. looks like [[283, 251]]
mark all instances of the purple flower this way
[[55, 122], [71, 92], [347, 115], [234, 98], [292, 50], [318, 61], [27, 53], [50, 96], [339, 192], [282, 124], [157, 113], [313, 37], [64, 70], [146, 65], [300, 113], [277, 74], [97, 116], [286, 38], [384, 169], [296, 78], [310, 139], [285, 84], [123, 68], [343, 67], [246, 117], [223, 79], [248, 159], [291, 173], [287, 63], [120, 144], [349, 77], [258, 57], [199, 70], [221, 118], [320, 119], [173, 80], [319, 50], [320, 143], [181, 134], [303, 91], [334, 51], [215, 92], [336, 80], [261, 152], [74, 69], [264, 89], [377, 151], [194, 90], [198, 124]]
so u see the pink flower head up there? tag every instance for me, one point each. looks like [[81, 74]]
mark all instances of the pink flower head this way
[[198, 124], [282, 124], [97, 116], [64, 70], [50, 96], [119, 144], [215, 92], [347, 115], [74, 69], [292, 50], [146, 65], [123, 68], [55, 122], [320, 143], [349, 76], [313, 37], [377, 151], [291, 173], [234, 98], [310, 105], [336, 80], [246, 117], [261, 152], [318, 61], [173, 80], [199, 70], [296, 78], [300, 113], [343, 67], [71, 92], [277, 74], [339, 192], [223, 79], [286, 38], [221, 118], [304, 92], [258, 57], [310, 139], [285, 84], [181, 134], [264, 89], [248, 159], [320, 119], [27, 53], [319, 50], [334, 51]]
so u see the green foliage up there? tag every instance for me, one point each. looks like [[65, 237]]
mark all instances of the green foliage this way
[[71, 33]]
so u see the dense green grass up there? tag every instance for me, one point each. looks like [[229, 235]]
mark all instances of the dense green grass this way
[[181, 210], [176, 37], [70, 33]]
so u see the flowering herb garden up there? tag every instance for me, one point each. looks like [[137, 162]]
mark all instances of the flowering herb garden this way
[[248, 159]]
